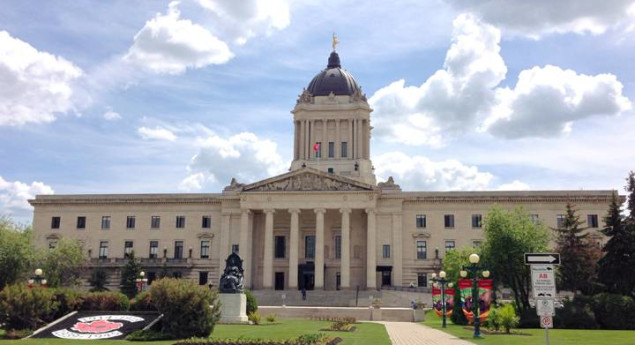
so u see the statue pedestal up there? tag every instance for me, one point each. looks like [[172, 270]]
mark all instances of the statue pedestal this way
[[233, 308]]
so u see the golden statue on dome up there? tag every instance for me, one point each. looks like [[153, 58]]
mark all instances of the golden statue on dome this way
[[334, 42]]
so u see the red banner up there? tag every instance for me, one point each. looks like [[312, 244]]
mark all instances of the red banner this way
[[485, 298], [437, 303]]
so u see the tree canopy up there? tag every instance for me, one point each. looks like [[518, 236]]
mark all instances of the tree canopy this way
[[16, 251]]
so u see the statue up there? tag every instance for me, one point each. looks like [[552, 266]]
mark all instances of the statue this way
[[334, 41], [232, 279]]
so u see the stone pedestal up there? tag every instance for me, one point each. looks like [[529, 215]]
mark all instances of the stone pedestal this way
[[233, 308]]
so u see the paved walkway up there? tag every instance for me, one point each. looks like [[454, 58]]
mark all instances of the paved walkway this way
[[410, 333]]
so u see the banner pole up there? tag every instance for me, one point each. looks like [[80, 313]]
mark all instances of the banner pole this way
[[547, 333]]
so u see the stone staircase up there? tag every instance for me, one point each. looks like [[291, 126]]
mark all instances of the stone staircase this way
[[341, 298]]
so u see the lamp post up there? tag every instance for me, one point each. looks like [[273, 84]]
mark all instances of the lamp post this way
[[37, 278], [441, 280], [474, 268], [141, 281]]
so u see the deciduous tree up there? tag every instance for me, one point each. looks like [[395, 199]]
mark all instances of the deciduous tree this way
[[16, 252]]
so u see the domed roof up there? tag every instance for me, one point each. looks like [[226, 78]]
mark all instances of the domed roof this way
[[333, 79]]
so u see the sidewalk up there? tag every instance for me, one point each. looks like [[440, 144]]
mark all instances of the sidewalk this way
[[409, 333]]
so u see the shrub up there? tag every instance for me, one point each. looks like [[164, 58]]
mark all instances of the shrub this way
[[507, 317], [254, 317], [252, 303], [17, 334], [576, 314], [614, 311], [149, 335], [340, 325], [105, 301], [25, 308], [271, 318], [493, 320], [69, 300], [306, 339], [458, 318], [143, 302], [189, 310]]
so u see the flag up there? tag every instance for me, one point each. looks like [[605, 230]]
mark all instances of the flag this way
[[316, 147]]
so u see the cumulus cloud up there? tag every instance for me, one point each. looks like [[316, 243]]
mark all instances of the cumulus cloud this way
[[243, 156], [34, 85], [156, 133], [515, 185], [169, 44], [539, 17], [546, 101], [452, 98], [111, 115], [14, 195]]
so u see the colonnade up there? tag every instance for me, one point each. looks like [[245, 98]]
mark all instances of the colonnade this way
[[356, 138]]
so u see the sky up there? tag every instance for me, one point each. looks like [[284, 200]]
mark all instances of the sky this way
[[130, 96]]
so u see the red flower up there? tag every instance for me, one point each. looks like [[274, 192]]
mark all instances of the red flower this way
[[98, 326]]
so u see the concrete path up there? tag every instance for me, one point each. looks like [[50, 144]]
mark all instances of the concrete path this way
[[410, 333]]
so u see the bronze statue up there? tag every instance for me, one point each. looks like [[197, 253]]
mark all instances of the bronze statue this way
[[232, 279]]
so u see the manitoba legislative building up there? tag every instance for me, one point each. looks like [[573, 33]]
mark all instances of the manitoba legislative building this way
[[327, 224]]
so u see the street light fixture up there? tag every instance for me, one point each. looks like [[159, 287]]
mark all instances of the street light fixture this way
[[141, 281], [443, 282], [37, 278], [474, 268]]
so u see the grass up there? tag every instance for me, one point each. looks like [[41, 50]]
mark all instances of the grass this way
[[366, 334], [556, 336]]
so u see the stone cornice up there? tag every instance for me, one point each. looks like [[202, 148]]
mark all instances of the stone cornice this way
[[88, 199], [599, 196]]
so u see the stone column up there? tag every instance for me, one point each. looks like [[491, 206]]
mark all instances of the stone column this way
[[397, 257], [243, 246], [351, 144], [223, 242], [358, 128], [267, 263], [319, 248], [338, 140], [345, 261], [325, 139], [371, 259], [293, 248]]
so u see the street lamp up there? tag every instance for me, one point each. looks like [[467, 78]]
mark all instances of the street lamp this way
[[441, 280], [474, 269], [141, 281], [37, 278]]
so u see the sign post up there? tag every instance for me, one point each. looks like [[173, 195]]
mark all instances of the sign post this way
[[543, 281]]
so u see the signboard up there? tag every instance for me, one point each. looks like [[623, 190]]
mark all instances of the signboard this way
[[542, 258], [546, 322], [544, 307], [543, 281]]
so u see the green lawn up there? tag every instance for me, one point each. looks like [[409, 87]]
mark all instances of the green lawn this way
[[537, 337], [366, 334]]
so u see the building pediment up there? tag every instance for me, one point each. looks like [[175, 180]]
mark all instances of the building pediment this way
[[307, 179]]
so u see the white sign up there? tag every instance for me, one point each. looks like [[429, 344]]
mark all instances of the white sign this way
[[544, 307], [543, 281], [546, 322]]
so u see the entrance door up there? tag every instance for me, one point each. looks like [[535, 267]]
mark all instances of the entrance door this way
[[306, 276], [386, 278], [279, 281]]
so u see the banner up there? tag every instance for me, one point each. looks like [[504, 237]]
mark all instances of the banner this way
[[436, 301], [485, 298]]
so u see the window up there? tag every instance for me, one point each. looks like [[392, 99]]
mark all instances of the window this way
[[127, 248], [55, 222], [52, 245], [477, 221], [331, 149], [534, 218], [177, 275], [448, 220], [154, 249], [205, 249], [81, 222], [592, 220], [309, 247], [477, 243], [317, 147], [421, 250], [386, 251], [330, 170], [105, 222], [449, 245], [103, 249], [235, 248], [178, 249], [344, 149], [206, 222], [422, 280], [180, 222], [155, 222], [279, 247], [421, 221], [560, 221], [131, 222], [202, 278], [152, 276], [338, 247]]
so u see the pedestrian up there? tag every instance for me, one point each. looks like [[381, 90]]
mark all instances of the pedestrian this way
[[303, 293]]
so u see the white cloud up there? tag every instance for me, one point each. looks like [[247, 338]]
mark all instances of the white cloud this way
[[169, 44], [421, 173], [452, 98], [111, 115], [243, 156], [34, 85], [539, 17], [14, 196], [515, 185], [156, 133], [546, 101]]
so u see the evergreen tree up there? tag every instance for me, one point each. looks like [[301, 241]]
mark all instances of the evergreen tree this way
[[98, 280], [129, 275], [578, 254]]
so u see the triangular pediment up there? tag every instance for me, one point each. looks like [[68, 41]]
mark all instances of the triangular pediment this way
[[307, 179]]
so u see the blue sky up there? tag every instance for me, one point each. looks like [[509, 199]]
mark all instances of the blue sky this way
[[159, 96]]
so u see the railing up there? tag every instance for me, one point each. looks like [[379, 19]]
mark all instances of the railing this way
[[421, 289]]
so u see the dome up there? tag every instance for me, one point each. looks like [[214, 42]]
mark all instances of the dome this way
[[333, 79]]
